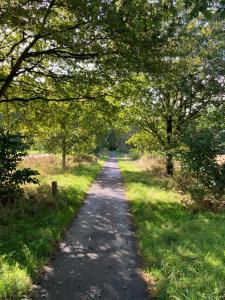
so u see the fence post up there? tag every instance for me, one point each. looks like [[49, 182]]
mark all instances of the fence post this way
[[54, 188]]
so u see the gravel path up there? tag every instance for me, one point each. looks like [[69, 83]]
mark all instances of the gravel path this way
[[98, 258]]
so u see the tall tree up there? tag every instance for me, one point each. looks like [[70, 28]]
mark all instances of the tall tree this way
[[45, 41], [190, 78]]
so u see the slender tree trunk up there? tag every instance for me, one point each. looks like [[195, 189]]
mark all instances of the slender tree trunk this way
[[169, 164], [63, 152], [169, 156], [63, 159]]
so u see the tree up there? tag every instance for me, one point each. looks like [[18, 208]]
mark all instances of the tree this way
[[190, 79], [68, 131], [47, 41], [50, 41], [202, 169], [12, 150], [49, 47]]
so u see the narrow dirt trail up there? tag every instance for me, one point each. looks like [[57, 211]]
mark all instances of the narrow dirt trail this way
[[98, 258]]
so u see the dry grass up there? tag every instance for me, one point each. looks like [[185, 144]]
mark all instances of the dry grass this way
[[44, 163], [153, 163], [157, 165]]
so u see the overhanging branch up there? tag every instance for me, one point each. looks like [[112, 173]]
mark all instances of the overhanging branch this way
[[38, 98]]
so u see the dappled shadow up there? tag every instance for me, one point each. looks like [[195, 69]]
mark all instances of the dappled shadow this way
[[97, 258], [32, 226], [29, 228], [175, 240], [148, 178], [189, 239]]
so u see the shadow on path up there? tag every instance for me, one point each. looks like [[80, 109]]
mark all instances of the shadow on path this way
[[98, 258]]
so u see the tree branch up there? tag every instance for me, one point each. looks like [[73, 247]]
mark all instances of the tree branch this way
[[38, 98]]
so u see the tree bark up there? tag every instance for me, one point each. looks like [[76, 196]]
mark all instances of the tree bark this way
[[17, 65], [169, 155], [169, 164], [63, 152]]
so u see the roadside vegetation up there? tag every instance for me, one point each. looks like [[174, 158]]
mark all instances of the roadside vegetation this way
[[31, 226], [78, 77], [182, 249]]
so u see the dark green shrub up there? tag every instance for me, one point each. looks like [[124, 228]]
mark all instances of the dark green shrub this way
[[12, 150], [201, 175]]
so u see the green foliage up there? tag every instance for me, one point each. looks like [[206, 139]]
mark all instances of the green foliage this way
[[161, 63], [75, 131], [66, 128], [162, 99], [134, 154], [14, 281], [204, 176], [12, 150], [30, 229], [132, 54], [182, 251], [113, 140], [48, 45], [144, 141]]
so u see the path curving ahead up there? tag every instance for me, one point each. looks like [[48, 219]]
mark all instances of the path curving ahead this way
[[98, 258]]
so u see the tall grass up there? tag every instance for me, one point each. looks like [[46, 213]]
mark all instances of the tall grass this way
[[183, 252], [31, 227]]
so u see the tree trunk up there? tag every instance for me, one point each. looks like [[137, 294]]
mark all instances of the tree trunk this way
[[15, 68], [169, 155], [63, 159], [169, 164], [63, 153]]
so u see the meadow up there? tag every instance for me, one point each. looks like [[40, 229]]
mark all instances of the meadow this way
[[182, 250]]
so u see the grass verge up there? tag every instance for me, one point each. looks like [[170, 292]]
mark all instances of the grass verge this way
[[30, 229], [183, 252]]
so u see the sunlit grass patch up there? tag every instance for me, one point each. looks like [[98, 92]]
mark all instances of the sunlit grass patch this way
[[31, 227], [14, 280], [183, 252]]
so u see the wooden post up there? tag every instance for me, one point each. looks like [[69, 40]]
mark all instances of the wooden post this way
[[54, 188]]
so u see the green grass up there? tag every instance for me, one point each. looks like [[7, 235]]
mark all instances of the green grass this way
[[30, 229], [183, 253], [31, 152]]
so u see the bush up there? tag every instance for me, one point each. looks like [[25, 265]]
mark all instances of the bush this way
[[12, 150], [201, 175], [134, 154]]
